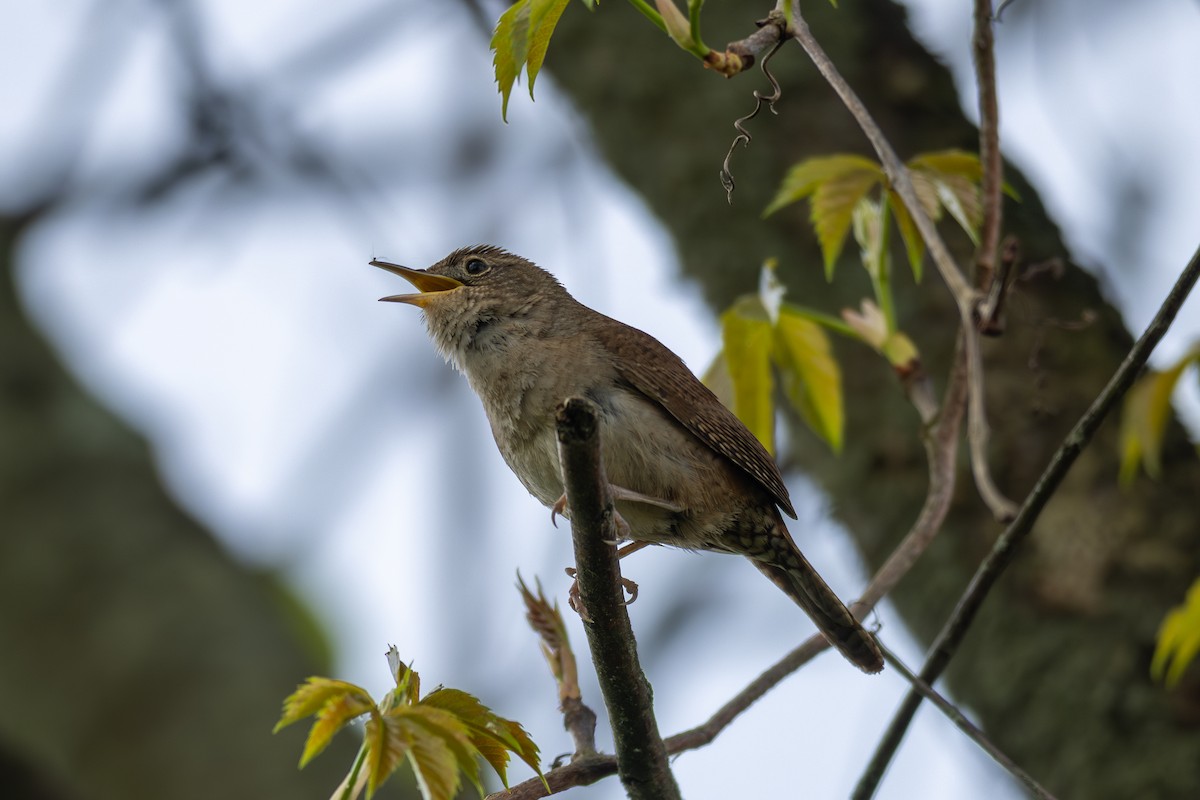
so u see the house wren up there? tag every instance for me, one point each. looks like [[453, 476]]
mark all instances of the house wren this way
[[685, 471]]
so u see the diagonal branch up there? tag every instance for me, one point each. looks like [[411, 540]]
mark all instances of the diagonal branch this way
[[967, 727], [955, 629]]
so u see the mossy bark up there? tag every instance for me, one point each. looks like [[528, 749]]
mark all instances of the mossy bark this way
[[137, 659]]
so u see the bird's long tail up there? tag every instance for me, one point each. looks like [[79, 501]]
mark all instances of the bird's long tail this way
[[788, 569]]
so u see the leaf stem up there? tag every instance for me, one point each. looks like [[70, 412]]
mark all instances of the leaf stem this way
[[881, 278], [650, 13], [694, 7], [352, 778], [821, 318]]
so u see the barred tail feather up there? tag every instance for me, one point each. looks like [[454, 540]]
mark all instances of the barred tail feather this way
[[805, 586]]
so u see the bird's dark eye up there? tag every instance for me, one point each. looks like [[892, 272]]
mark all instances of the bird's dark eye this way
[[476, 267]]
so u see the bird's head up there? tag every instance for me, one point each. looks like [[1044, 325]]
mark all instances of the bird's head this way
[[475, 289]]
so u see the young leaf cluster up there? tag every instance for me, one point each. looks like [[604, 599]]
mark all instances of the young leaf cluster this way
[[1144, 418], [441, 735], [520, 41], [523, 33], [1178, 639], [946, 182], [764, 338]]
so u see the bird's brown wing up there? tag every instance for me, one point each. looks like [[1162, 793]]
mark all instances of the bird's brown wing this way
[[662, 376]]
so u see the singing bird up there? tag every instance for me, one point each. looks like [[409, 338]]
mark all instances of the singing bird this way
[[684, 470]]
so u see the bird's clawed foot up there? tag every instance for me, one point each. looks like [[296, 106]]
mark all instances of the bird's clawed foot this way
[[559, 507], [576, 603]]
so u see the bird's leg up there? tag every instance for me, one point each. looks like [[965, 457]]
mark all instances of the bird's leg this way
[[629, 586], [618, 493], [624, 534]]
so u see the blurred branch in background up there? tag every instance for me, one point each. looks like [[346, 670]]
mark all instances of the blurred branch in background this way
[[140, 660]]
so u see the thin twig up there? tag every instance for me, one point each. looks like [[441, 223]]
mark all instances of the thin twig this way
[[739, 56], [983, 43], [991, 308], [897, 173], [743, 136], [966, 726], [641, 757], [580, 772], [940, 448], [989, 277], [956, 627], [965, 297]]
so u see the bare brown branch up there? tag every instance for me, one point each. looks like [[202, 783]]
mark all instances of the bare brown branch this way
[[967, 727], [641, 755], [983, 47]]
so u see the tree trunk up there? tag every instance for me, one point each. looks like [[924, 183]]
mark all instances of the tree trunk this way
[[1056, 666], [138, 659]]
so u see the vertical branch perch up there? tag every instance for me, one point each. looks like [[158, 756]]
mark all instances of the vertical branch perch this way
[[641, 755]]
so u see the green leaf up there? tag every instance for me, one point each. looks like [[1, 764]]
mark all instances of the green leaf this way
[[312, 695], [964, 202], [492, 735], [542, 22], [746, 336], [1178, 639], [914, 245], [520, 41], [927, 194], [517, 739], [387, 744], [429, 752], [441, 736], [332, 717], [833, 205], [477, 719], [868, 232], [1144, 418], [810, 374], [949, 162], [955, 176], [1134, 413], [804, 178], [454, 732]]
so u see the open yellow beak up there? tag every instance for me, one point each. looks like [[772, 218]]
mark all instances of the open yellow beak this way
[[427, 282]]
